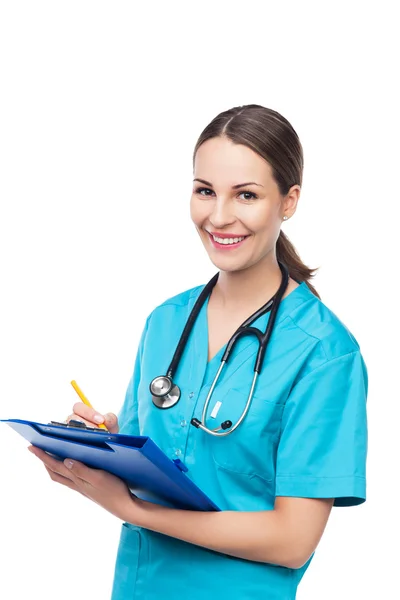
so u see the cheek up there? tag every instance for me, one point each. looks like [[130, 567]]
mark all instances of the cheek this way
[[260, 219], [198, 211]]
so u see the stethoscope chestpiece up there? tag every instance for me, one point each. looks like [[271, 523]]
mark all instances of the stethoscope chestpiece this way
[[163, 391]]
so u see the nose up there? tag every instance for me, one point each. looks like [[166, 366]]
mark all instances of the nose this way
[[222, 214]]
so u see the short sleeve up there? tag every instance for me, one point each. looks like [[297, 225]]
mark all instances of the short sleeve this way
[[128, 415], [322, 450]]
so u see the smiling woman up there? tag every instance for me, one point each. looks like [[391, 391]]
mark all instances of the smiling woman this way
[[286, 452], [247, 197], [229, 214]]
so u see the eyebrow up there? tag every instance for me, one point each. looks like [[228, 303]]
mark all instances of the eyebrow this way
[[234, 187]]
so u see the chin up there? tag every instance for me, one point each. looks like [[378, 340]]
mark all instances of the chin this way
[[229, 266]]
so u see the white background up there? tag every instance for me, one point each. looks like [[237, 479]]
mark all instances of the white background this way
[[101, 104]]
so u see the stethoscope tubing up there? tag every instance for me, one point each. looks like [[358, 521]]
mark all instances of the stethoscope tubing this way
[[206, 291], [171, 392], [263, 339], [216, 432]]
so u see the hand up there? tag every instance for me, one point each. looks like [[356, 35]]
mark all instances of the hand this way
[[87, 415], [101, 487]]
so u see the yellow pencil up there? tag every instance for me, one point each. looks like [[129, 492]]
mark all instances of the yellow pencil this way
[[85, 400]]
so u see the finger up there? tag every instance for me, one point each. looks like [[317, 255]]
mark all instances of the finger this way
[[81, 473], [65, 481], [75, 417], [111, 422], [87, 413], [54, 464], [60, 479]]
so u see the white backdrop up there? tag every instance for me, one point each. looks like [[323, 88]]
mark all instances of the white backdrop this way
[[101, 104]]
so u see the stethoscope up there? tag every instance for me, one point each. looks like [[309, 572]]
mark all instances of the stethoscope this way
[[166, 394]]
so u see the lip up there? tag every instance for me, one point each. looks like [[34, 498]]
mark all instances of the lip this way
[[226, 246], [226, 235]]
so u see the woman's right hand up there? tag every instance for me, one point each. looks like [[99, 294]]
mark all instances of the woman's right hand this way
[[92, 418]]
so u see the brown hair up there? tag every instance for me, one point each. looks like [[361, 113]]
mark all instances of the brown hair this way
[[269, 134]]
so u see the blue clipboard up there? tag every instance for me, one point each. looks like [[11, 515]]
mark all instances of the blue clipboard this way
[[147, 471]]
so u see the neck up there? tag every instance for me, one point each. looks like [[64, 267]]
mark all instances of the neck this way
[[252, 286]]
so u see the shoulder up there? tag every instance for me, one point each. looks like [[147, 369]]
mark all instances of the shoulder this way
[[319, 330], [176, 307], [183, 299]]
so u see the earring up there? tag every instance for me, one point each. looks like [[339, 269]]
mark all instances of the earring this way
[[285, 218]]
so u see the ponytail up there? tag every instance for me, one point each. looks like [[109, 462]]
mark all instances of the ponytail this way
[[287, 253]]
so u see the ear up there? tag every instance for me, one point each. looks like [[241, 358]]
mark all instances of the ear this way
[[289, 203]]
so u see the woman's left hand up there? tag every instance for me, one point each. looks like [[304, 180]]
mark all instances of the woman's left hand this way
[[105, 489]]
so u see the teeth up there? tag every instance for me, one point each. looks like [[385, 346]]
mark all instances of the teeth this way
[[227, 241]]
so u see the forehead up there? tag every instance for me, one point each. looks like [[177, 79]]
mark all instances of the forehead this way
[[220, 160]]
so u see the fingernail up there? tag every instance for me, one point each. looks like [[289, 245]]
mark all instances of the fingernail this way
[[69, 464], [98, 418]]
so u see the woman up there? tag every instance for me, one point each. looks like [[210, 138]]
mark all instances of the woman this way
[[302, 445]]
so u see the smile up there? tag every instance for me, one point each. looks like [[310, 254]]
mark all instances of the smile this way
[[226, 242]]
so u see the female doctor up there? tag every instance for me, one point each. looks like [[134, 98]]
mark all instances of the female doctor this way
[[302, 444]]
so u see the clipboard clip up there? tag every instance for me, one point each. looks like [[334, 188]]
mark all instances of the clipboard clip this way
[[180, 465], [73, 423]]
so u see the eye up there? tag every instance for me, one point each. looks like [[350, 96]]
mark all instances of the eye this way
[[199, 190], [253, 196], [202, 189]]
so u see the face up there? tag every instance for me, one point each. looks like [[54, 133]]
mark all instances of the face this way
[[238, 224]]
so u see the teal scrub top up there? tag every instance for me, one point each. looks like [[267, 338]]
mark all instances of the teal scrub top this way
[[305, 435]]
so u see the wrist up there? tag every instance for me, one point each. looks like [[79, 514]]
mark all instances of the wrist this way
[[137, 511]]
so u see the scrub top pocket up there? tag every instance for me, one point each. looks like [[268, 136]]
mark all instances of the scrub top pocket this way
[[247, 456]]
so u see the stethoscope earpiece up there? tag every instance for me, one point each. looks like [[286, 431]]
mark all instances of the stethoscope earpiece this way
[[198, 424]]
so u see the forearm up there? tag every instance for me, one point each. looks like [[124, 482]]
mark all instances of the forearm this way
[[263, 536]]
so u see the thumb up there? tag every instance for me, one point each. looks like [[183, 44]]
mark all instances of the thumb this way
[[111, 422]]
